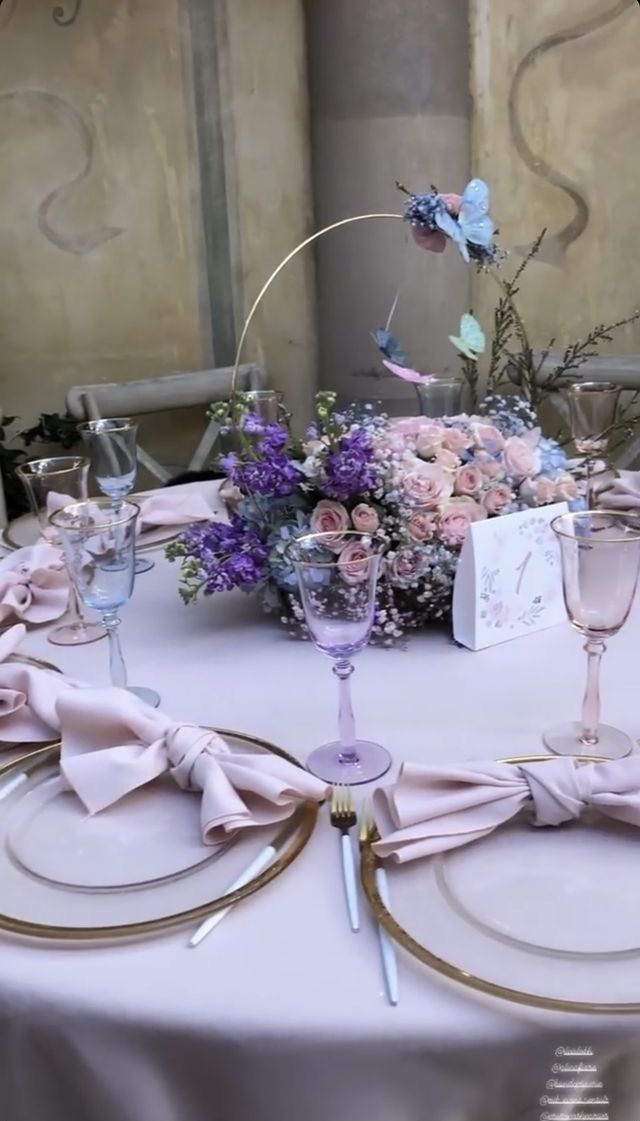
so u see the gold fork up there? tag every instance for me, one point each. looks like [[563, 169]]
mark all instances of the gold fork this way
[[343, 817]]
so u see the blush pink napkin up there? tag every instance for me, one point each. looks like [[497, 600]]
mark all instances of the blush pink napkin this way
[[167, 509], [161, 509], [28, 695], [434, 808], [623, 493], [34, 585], [112, 744]]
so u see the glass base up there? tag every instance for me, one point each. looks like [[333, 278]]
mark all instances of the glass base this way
[[76, 634], [149, 696], [564, 739], [373, 761], [143, 564]]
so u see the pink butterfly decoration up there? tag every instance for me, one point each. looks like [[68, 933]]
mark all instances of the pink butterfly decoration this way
[[408, 375]]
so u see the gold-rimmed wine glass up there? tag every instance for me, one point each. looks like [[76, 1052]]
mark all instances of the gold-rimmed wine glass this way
[[592, 414], [63, 476], [600, 553]]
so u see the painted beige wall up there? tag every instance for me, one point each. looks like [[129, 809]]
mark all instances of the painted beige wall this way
[[389, 82], [266, 117], [557, 135], [101, 281], [106, 271]]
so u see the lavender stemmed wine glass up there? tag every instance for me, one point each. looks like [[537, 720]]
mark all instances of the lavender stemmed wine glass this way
[[112, 444], [600, 565], [60, 477], [337, 577]]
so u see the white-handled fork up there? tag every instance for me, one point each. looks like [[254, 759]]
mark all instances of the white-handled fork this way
[[343, 817]]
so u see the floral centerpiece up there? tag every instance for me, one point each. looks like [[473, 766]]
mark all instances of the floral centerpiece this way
[[417, 483]]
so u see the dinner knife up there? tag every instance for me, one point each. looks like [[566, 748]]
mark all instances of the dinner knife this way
[[264, 858], [387, 947]]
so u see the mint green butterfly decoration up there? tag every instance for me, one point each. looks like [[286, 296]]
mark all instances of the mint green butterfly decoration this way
[[472, 341]]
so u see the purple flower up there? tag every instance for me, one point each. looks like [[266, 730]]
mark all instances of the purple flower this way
[[274, 477], [228, 556], [351, 469]]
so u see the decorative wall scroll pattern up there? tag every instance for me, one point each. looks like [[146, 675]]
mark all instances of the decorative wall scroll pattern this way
[[78, 243], [556, 245], [65, 18]]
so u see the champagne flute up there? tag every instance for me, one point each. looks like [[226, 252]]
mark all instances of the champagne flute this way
[[592, 413], [112, 444], [99, 544], [337, 577], [65, 476], [600, 564]]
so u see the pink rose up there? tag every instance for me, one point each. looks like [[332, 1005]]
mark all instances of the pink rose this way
[[491, 468], [538, 492], [432, 240], [468, 480], [455, 440], [428, 485], [332, 518], [453, 203], [365, 518], [488, 436], [406, 425], [406, 567], [355, 562], [497, 498], [457, 517], [421, 527], [447, 459], [429, 440], [566, 488], [520, 458]]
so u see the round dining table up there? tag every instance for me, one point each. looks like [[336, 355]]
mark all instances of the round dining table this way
[[281, 1013]]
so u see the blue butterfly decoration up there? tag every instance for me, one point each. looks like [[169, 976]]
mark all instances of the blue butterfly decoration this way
[[474, 229], [389, 346]]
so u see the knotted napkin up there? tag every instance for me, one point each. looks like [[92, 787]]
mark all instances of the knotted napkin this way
[[621, 493], [112, 744], [34, 585], [434, 808], [160, 511], [28, 695]]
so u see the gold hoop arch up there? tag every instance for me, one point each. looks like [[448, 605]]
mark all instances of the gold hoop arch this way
[[283, 264]]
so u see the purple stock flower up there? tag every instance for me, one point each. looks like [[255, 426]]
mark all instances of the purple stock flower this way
[[274, 477], [229, 556], [350, 470]]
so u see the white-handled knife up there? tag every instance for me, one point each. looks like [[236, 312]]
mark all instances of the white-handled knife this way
[[387, 946], [258, 865]]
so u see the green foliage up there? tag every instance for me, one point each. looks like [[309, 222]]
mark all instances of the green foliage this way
[[52, 429]]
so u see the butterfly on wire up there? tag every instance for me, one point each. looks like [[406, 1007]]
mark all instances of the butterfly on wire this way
[[474, 229], [393, 357], [471, 341]]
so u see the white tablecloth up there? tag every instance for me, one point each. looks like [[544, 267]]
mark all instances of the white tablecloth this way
[[281, 1015]]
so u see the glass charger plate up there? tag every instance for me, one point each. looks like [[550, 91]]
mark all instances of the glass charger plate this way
[[25, 531], [138, 867], [28, 661], [545, 917]]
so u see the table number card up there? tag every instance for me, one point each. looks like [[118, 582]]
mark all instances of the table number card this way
[[508, 581]]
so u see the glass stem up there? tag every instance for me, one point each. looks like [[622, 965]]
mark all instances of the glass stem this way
[[74, 609], [346, 721], [589, 495], [116, 661], [594, 648]]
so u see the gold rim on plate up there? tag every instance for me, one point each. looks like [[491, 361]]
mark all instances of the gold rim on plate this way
[[302, 823], [445, 968]]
